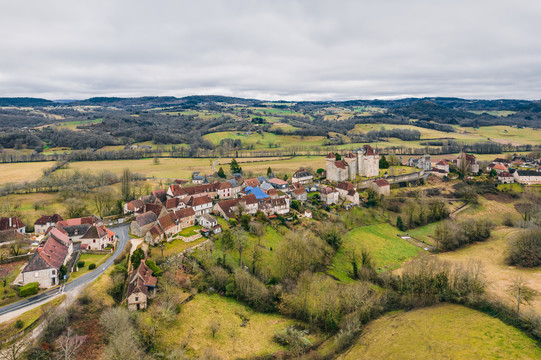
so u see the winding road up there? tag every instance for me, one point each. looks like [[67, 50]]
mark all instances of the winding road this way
[[78, 283]]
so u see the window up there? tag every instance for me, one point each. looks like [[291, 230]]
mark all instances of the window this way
[[136, 298], [36, 274], [54, 272]]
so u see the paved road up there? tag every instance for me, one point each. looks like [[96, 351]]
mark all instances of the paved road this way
[[82, 281]]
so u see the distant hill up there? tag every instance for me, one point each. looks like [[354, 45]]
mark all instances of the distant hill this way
[[25, 102], [162, 101]]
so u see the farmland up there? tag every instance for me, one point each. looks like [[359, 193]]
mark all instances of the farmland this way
[[388, 250], [236, 338], [442, 332], [20, 172]]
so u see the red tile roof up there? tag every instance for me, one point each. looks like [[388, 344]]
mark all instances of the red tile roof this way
[[442, 162], [51, 255], [381, 182], [253, 182], [184, 213], [176, 190], [368, 150], [277, 181], [330, 156], [345, 185], [199, 200], [167, 221], [146, 218], [7, 223], [45, 219], [340, 164]]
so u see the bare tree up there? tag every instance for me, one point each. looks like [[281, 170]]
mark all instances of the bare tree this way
[[104, 200], [13, 351], [520, 291], [241, 241], [16, 246], [258, 230], [68, 345]]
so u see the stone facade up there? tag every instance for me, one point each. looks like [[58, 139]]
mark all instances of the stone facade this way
[[364, 163]]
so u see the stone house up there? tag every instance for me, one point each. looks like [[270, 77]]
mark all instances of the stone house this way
[[95, 238], [235, 187], [185, 218], [208, 221], [45, 222], [143, 223], [133, 206], [300, 194], [442, 165], [223, 190], [329, 195], [302, 176], [141, 287], [472, 166], [228, 208], [278, 184], [12, 223], [423, 162], [381, 186], [44, 265], [201, 204], [506, 178], [527, 177]]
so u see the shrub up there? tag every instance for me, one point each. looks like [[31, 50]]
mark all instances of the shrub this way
[[296, 339], [80, 264], [156, 271], [525, 249], [91, 266], [19, 324], [29, 289]]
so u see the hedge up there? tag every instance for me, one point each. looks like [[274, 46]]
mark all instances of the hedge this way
[[91, 266], [29, 289], [80, 264]]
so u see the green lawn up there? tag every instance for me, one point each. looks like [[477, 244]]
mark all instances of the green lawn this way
[[265, 140], [442, 332], [176, 246], [234, 339], [424, 233], [189, 231], [97, 259], [388, 250]]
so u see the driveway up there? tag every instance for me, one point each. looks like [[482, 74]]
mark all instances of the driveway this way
[[76, 285]]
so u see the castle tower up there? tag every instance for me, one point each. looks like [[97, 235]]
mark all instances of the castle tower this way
[[368, 161], [351, 160]]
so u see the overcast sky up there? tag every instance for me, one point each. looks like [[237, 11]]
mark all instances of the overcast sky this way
[[293, 50]]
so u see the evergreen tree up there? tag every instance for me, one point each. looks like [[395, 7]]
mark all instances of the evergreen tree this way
[[383, 163], [269, 171], [221, 173], [234, 166], [400, 223]]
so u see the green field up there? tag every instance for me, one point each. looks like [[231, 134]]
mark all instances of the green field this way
[[72, 125], [97, 259], [172, 168], [234, 339], [442, 332], [20, 172], [176, 247], [387, 249], [508, 134], [266, 140]]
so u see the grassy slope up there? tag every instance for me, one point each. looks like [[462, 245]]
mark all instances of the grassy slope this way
[[262, 142], [20, 172], [388, 250], [442, 332], [491, 253], [232, 340]]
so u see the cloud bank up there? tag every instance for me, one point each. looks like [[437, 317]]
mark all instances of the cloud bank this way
[[293, 50]]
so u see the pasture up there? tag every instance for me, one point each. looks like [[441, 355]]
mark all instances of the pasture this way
[[265, 140], [491, 253], [242, 332], [173, 168], [21, 172], [388, 251], [442, 332]]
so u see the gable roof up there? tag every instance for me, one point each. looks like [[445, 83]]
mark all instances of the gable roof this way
[[234, 183], [172, 203], [7, 223], [146, 218], [381, 182], [253, 182], [277, 181], [74, 230], [46, 219], [160, 194], [167, 221], [94, 232], [256, 191], [199, 200], [177, 190], [155, 208], [51, 255], [301, 173], [184, 213], [345, 185], [340, 164], [368, 150], [442, 162]]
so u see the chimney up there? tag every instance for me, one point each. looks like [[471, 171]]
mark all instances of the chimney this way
[[10, 222]]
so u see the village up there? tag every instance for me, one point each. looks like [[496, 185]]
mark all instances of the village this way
[[188, 210]]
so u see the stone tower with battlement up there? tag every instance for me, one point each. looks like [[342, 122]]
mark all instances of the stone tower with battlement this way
[[368, 161]]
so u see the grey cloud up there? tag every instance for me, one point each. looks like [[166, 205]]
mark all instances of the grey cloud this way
[[271, 49]]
